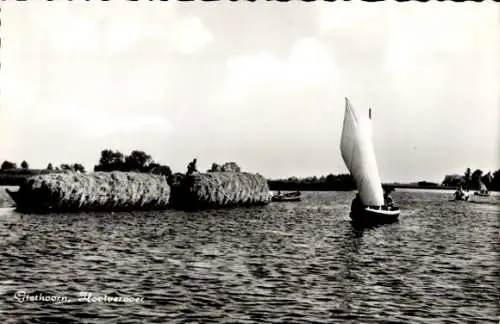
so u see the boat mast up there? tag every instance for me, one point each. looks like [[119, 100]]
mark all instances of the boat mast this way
[[370, 113]]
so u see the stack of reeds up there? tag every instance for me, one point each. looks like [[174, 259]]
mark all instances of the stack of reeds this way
[[105, 191], [221, 189]]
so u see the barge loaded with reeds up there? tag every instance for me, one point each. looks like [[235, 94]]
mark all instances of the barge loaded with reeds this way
[[97, 191], [127, 191], [220, 189]]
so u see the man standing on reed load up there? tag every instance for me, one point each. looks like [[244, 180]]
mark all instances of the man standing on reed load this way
[[192, 167]]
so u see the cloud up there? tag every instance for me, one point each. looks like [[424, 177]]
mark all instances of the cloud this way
[[440, 31], [112, 58], [351, 15], [275, 104], [94, 123], [76, 29], [69, 32], [308, 63], [102, 125], [15, 94], [190, 35], [92, 75], [405, 33], [268, 93]]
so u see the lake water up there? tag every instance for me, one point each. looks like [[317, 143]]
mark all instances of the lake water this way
[[283, 263]]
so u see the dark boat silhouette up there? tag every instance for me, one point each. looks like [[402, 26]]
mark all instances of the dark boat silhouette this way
[[287, 197]]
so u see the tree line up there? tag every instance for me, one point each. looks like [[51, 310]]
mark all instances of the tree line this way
[[12, 166], [8, 165], [140, 161], [136, 161], [323, 183], [472, 180], [114, 160]]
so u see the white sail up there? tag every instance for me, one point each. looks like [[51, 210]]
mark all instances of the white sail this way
[[357, 151], [482, 186]]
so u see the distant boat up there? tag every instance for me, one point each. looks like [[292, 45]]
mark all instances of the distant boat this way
[[287, 197], [357, 151], [461, 195], [483, 190]]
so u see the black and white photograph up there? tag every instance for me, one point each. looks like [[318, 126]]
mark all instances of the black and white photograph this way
[[249, 162]]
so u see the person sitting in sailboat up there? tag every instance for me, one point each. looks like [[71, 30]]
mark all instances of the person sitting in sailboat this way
[[389, 202]]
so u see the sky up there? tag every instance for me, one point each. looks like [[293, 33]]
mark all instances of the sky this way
[[261, 84]]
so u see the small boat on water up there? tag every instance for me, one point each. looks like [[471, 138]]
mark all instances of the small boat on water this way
[[287, 197], [483, 190], [461, 195], [356, 146]]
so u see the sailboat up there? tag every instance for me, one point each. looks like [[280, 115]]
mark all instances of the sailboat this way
[[358, 153], [483, 191]]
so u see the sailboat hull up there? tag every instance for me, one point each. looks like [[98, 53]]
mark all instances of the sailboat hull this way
[[372, 216]]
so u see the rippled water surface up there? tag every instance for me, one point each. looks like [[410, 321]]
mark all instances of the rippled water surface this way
[[283, 263]]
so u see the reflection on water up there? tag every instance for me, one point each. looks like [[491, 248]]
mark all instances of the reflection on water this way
[[283, 263]]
